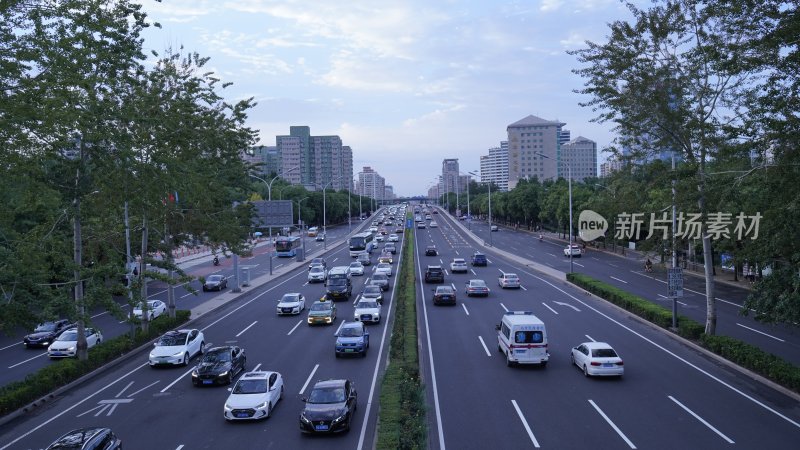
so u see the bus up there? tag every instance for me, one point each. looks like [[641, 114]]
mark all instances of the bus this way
[[287, 246], [360, 243]]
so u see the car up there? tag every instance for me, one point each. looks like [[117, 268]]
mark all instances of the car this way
[[380, 279], [390, 248], [254, 396], [431, 250], [363, 258], [394, 237], [320, 237], [318, 262], [444, 295], [329, 408], [219, 365], [94, 438], [45, 333], [509, 280], [339, 288], [379, 238], [421, 225], [428, 217], [386, 258], [356, 268], [177, 347], [458, 265], [477, 287], [383, 231], [155, 308], [291, 303], [479, 259], [322, 311], [433, 224], [372, 292], [494, 228], [597, 359], [312, 231], [367, 310], [384, 268], [373, 228], [352, 339], [399, 229], [317, 274], [215, 283], [575, 250], [434, 274], [66, 344]]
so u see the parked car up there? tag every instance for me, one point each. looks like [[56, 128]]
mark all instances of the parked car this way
[[291, 303], [177, 347], [352, 339], [434, 274], [367, 310], [431, 250], [444, 295], [66, 344], [329, 407], [322, 312], [94, 438], [479, 259], [45, 333], [597, 359], [477, 287], [215, 283], [356, 268], [458, 265], [254, 396], [220, 365], [575, 249], [155, 308]]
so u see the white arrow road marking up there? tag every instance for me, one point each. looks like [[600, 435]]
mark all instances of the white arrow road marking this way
[[567, 304]]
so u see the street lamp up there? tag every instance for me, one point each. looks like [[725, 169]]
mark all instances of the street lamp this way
[[469, 215], [300, 223], [324, 216], [490, 212], [613, 222], [569, 181], [269, 196]]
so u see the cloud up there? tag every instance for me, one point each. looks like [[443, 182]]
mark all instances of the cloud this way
[[551, 5]]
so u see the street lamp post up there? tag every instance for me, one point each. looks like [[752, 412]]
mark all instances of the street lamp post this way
[[300, 223], [469, 214], [324, 216], [269, 197], [490, 213], [569, 181]]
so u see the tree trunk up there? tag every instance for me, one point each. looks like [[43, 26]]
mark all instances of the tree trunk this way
[[81, 350], [170, 286], [143, 266], [711, 303]]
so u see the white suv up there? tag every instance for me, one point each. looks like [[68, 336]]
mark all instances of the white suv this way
[[575, 250], [458, 265]]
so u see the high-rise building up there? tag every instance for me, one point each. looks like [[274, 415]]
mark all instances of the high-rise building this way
[[314, 161], [265, 159], [494, 166], [528, 139], [388, 192], [563, 136], [612, 165], [581, 155], [371, 184], [450, 180]]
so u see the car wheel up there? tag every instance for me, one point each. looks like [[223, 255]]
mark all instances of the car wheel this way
[[499, 348], [508, 362], [572, 359], [185, 359], [229, 379], [202, 348], [585, 372], [269, 410]]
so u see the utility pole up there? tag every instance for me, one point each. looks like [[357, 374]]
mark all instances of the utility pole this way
[[128, 271]]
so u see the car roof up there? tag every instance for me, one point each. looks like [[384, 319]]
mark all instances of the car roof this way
[[353, 325], [256, 375], [221, 348], [68, 440], [458, 259], [596, 345], [435, 267], [329, 383], [444, 288], [510, 275], [477, 281]]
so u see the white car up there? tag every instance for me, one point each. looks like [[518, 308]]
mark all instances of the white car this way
[[373, 229], [433, 224], [356, 268], [384, 268], [66, 344], [458, 265], [494, 228], [394, 237], [509, 280], [253, 396], [177, 347], [155, 308], [379, 237], [291, 303], [575, 249], [367, 310], [317, 274], [597, 358]]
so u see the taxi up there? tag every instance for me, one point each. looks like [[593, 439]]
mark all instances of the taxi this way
[[322, 312]]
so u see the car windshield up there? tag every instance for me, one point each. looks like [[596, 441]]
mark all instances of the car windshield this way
[[384, 266], [250, 387], [511, 277], [351, 332], [319, 261], [477, 283], [604, 353], [290, 298], [215, 356], [372, 290], [214, 278], [169, 340], [379, 277], [363, 304], [317, 269], [327, 395], [444, 290], [355, 265], [337, 282], [47, 326], [320, 307], [69, 335]]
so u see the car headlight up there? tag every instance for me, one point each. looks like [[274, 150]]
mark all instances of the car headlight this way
[[71, 349], [180, 353], [263, 405], [45, 343], [340, 418], [328, 319], [223, 374], [303, 418], [195, 374], [228, 407]]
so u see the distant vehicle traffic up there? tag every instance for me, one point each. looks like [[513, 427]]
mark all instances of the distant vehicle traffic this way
[[286, 246]]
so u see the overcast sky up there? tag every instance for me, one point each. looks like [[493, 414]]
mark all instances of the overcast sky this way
[[404, 83]]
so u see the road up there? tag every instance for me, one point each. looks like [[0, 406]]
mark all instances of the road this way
[[671, 396]]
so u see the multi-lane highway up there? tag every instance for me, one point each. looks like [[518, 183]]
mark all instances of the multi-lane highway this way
[[671, 396]]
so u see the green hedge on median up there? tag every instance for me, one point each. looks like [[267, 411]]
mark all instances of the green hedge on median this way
[[401, 421], [734, 350], [47, 379]]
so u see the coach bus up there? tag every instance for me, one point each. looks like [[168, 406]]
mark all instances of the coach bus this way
[[286, 246], [360, 243]]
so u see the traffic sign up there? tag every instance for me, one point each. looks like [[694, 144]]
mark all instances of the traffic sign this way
[[675, 282], [409, 224]]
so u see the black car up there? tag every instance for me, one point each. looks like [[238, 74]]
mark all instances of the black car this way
[[329, 407], [479, 259], [219, 365], [434, 274], [215, 283], [317, 261], [88, 439], [45, 333], [444, 295], [431, 250], [339, 289], [381, 280]]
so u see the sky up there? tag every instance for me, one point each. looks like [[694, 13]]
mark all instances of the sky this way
[[405, 84]]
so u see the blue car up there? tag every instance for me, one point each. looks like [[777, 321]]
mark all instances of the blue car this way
[[352, 339]]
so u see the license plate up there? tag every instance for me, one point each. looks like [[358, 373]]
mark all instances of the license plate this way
[[56, 353], [520, 350], [208, 381], [321, 427], [608, 365], [348, 350], [242, 415]]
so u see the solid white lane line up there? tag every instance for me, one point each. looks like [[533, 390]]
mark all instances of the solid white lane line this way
[[123, 390], [732, 303], [578, 264], [525, 424], [473, 271], [485, 348], [761, 332], [179, 447], [29, 359], [703, 421], [336, 333], [12, 345], [619, 432], [551, 309], [177, 379], [294, 327], [186, 295], [501, 271], [98, 315], [248, 327], [554, 256], [595, 258], [504, 307], [453, 285], [140, 390], [590, 338], [465, 308], [523, 287], [622, 281], [308, 380]]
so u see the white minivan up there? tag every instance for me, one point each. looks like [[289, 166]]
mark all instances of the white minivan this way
[[522, 338]]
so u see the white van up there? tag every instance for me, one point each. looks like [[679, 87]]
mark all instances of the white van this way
[[522, 337]]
